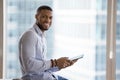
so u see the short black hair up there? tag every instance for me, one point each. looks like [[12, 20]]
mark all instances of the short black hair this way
[[44, 7]]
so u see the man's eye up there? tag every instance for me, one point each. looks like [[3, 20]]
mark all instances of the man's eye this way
[[50, 17], [43, 16]]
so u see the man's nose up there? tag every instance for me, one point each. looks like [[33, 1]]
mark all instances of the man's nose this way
[[48, 20]]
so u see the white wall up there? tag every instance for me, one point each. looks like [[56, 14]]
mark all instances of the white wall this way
[[1, 36]]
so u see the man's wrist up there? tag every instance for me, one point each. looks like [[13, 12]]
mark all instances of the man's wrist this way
[[56, 62], [53, 63]]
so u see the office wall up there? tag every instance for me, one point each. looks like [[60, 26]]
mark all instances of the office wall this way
[[1, 37]]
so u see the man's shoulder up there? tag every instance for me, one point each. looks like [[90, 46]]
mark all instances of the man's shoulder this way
[[26, 33], [29, 32]]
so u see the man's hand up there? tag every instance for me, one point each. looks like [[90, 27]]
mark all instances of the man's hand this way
[[64, 62]]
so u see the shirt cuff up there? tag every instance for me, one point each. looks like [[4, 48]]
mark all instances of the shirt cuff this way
[[48, 64]]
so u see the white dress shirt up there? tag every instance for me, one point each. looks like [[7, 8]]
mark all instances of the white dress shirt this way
[[32, 55]]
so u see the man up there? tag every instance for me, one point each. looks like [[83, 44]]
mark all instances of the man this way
[[32, 50]]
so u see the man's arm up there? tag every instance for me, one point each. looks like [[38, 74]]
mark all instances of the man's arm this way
[[28, 59]]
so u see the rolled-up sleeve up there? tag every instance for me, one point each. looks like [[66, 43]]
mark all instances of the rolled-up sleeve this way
[[54, 69], [27, 48]]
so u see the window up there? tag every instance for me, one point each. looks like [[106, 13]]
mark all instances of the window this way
[[118, 41], [79, 26]]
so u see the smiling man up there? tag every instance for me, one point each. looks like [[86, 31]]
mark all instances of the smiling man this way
[[33, 50]]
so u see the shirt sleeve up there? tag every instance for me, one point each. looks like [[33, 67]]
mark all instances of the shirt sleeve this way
[[29, 62], [54, 69]]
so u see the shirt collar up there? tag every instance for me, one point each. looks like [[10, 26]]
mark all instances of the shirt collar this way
[[38, 30]]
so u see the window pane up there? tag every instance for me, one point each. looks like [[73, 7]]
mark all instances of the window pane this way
[[20, 17], [118, 42], [79, 26]]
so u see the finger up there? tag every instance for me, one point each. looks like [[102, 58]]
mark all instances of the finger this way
[[66, 58], [66, 64]]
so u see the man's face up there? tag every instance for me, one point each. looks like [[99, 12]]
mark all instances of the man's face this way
[[44, 19]]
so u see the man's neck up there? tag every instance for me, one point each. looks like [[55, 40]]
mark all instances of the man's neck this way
[[40, 27]]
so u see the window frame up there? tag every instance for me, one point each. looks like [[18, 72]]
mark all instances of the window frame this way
[[111, 40]]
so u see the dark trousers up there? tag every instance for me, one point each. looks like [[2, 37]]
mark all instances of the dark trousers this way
[[61, 78]]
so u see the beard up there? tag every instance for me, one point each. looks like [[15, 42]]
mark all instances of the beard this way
[[41, 27]]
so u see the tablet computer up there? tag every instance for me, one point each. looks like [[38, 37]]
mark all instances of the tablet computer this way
[[77, 57]]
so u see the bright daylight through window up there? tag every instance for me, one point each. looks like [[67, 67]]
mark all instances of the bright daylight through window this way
[[79, 27]]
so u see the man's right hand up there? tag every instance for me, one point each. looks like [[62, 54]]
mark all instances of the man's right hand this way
[[63, 62]]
